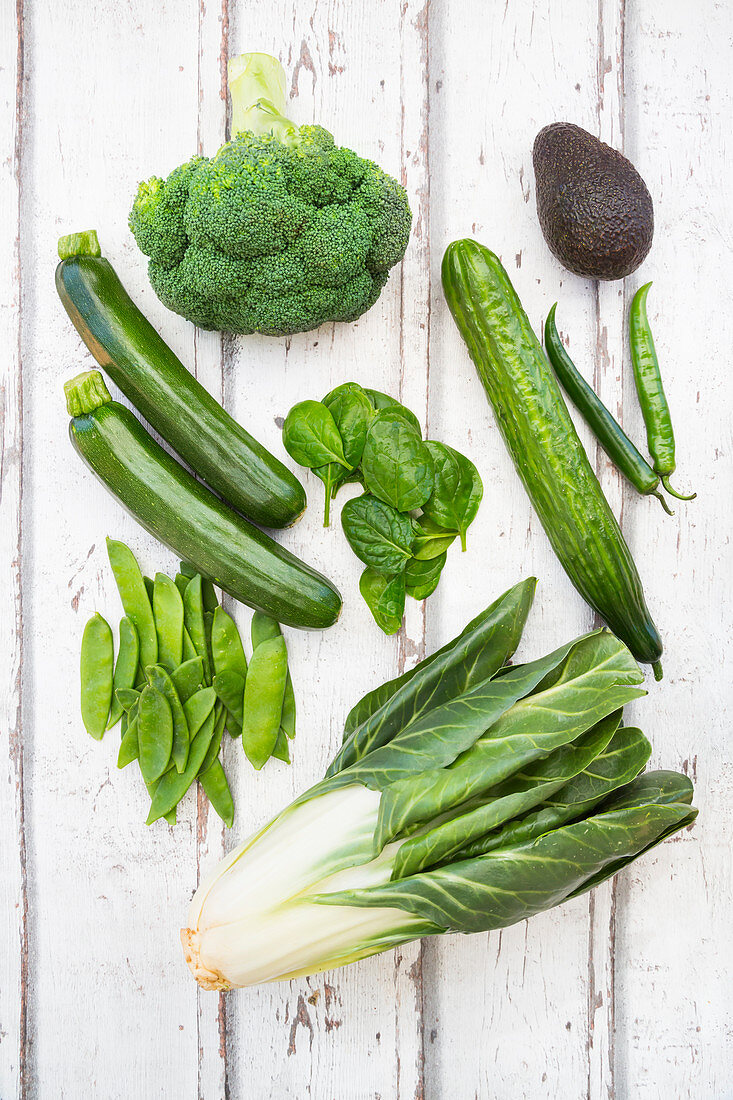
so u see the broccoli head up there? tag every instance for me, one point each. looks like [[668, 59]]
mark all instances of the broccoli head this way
[[281, 231]]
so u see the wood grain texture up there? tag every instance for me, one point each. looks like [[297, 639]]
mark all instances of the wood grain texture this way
[[621, 994]]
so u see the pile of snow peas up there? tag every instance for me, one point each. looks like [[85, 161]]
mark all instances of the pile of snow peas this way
[[179, 680]]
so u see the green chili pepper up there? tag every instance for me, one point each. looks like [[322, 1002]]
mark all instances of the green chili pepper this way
[[214, 782], [606, 429], [172, 786], [154, 733], [652, 398], [161, 681], [264, 690], [168, 615], [97, 661], [135, 600]]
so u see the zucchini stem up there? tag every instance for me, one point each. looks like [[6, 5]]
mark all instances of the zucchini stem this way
[[657, 670], [85, 393], [85, 243]]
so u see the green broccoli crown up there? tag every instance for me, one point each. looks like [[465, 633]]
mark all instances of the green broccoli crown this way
[[281, 231]]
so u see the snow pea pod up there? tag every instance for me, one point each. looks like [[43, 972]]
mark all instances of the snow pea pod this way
[[129, 747], [134, 596], [216, 787], [264, 690], [229, 687], [154, 733], [213, 750], [189, 650], [282, 748], [198, 708], [159, 679], [127, 698], [168, 615], [652, 398], [604, 426], [188, 678], [172, 786], [226, 645], [125, 668], [193, 612], [97, 661], [263, 627]]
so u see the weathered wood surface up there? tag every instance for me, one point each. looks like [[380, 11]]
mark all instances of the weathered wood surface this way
[[626, 993]]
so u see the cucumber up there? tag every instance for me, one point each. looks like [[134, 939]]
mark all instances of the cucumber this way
[[547, 452], [139, 361], [182, 513]]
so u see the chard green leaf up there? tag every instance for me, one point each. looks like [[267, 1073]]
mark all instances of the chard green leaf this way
[[431, 540], [382, 402], [457, 491], [421, 577], [396, 465], [479, 651], [507, 886], [620, 763], [524, 790], [352, 412], [385, 598], [583, 682], [379, 535], [310, 436]]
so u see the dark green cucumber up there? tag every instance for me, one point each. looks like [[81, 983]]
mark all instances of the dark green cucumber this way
[[139, 361], [541, 438], [182, 513]]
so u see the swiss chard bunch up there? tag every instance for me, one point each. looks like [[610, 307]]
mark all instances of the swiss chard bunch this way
[[420, 495]]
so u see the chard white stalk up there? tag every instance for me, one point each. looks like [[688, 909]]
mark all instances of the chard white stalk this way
[[467, 795]]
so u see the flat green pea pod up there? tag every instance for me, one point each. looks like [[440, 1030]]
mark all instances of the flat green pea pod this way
[[188, 678], [127, 697], [161, 681], [154, 733], [193, 611], [263, 628], [97, 662], [129, 746], [198, 708], [125, 672], [208, 592], [226, 645], [135, 601], [189, 650], [282, 748], [168, 615], [229, 687], [172, 786], [264, 691], [181, 580], [213, 750], [216, 788]]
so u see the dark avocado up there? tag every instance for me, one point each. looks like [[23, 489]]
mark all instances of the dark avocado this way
[[594, 208]]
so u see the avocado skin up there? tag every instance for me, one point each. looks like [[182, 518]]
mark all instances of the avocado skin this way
[[594, 208]]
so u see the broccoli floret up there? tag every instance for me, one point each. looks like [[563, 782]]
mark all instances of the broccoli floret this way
[[281, 231]]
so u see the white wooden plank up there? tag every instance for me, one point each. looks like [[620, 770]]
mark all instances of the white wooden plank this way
[[675, 909], [489, 994], [322, 1035], [13, 886], [105, 890]]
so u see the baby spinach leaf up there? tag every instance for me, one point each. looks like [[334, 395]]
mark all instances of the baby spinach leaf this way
[[457, 490], [382, 401], [385, 598], [352, 412], [421, 577], [378, 534], [396, 465], [431, 540], [311, 437]]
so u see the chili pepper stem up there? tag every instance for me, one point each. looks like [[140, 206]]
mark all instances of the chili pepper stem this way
[[657, 670], [673, 492], [664, 504]]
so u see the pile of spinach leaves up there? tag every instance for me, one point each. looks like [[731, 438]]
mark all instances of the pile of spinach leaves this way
[[419, 495]]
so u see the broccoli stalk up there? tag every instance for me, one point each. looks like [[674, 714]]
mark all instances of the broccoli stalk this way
[[257, 87]]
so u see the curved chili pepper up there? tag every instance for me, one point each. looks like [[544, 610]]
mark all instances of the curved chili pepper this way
[[653, 401], [605, 428]]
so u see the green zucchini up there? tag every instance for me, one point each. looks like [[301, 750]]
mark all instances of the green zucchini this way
[[139, 361], [547, 452], [182, 513]]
